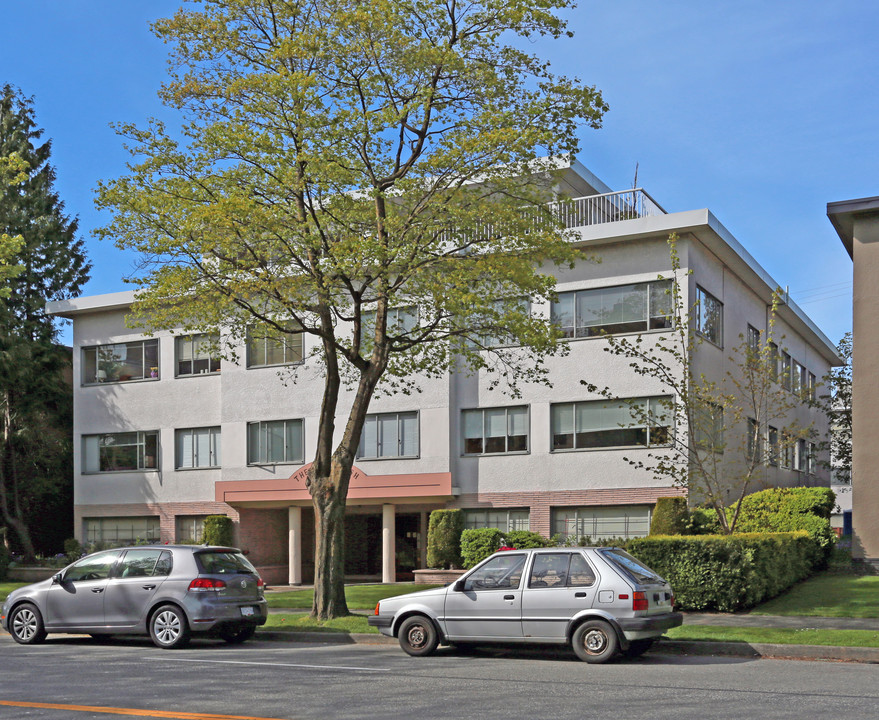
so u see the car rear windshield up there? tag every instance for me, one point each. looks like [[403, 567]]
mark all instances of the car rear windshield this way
[[637, 570], [220, 563]]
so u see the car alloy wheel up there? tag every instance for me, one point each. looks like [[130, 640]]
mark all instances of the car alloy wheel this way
[[168, 627], [26, 625]]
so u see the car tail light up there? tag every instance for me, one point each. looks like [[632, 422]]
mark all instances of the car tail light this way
[[639, 601], [206, 585], [376, 607], [260, 583]]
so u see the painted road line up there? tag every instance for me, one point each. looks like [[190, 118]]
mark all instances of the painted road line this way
[[176, 715], [200, 661]]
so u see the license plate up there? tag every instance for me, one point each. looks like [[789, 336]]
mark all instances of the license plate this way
[[247, 611]]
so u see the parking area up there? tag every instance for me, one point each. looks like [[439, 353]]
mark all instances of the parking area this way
[[296, 680]]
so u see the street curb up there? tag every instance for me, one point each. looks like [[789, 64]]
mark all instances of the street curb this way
[[664, 647]]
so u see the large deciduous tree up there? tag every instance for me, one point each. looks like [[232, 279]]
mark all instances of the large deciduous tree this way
[[41, 259], [366, 173]]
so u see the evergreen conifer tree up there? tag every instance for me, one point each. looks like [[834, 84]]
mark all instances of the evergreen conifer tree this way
[[35, 400]]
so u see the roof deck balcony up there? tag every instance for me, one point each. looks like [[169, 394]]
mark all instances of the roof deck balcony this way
[[606, 208]]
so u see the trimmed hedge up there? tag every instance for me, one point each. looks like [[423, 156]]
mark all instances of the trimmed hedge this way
[[727, 572], [219, 530], [478, 544], [791, 509], [444, 539], [670, 516], [524, 539]]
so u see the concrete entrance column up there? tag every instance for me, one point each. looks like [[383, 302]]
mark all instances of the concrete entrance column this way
[[422, 540], [294, 545], [389, 544]]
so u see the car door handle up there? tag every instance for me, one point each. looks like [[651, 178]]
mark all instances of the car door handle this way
[[509, 597], [579, 594], [148, 587], [97, 590]]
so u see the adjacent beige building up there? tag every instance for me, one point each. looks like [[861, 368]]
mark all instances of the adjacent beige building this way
[[857, 223]]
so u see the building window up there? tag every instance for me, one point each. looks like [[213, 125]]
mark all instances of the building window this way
[[812, 385], [640, 422], [786, 370], [773, 361], [773, 446], [812, 458], [266, 350], [707, 426], [623, 521], [504, 519], [117, 452], [189, 529], [122, 530], [797, 376], [401, 321], [800, 460], [709, 316], [755, 442], [274, 441], [389, 435], [196, 355], [753, 340], [121, 362], [787, 451], [197, 448], [497, 337], [622, 309], [495, 430]]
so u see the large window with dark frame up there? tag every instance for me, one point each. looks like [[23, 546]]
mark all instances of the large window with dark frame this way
[[504, 519], [493, 431], [275, 441], [620, 309], [123, 530], [119, 452], [596, 522], [121, 362], [389, 435], [708, 316], [638, 422]]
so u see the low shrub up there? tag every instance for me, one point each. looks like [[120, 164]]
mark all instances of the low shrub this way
[[478, 544], [72, 549], [444, 539], [219, 530], [523, 539], [727, 572], [789, 510], [702, 521], [670, 516]]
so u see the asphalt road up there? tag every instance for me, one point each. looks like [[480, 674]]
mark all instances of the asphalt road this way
[[73, 677]]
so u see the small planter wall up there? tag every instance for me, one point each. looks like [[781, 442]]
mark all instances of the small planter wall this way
[[437, 577]]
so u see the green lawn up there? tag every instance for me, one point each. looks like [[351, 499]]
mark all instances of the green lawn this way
[[359, 597], [828, 595], [301, 622], [781, 636], [8, 587]]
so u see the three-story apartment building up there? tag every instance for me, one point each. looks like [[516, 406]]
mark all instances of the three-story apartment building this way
[[166, 433]]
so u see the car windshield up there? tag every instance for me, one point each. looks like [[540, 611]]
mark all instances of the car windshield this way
[[629, 565], [219, 563]]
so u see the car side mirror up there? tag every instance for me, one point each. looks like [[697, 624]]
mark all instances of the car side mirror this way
[[458, 586], [56, 579]]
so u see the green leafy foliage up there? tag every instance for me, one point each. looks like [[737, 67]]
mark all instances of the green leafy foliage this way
[[4, 562], [219, 530], [790, 509], [727, 573], [444, 539], [524, 539], [477, 544], [670, 516]]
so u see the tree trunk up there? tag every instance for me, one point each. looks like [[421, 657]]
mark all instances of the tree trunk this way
[[329, 554], [12, 516]]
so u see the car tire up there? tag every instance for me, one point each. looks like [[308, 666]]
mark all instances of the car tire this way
[[169, 628], [418, 636], [638, 647], [26, 625], [595, 641], [237, 634]]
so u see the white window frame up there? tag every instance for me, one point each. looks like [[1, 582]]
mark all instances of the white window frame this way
[[708, 305], [194, 346], [656, 404], [291, 345], [589, 525], [504, 519], [97, 529]]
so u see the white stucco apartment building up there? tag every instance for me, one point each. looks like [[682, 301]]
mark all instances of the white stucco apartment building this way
[[165, 435]]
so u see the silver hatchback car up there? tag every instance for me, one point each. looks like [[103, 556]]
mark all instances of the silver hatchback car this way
[[601, 601], [166, 591]]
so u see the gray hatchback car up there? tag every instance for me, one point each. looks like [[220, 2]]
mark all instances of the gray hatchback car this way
[[601, 601], [166, 591]]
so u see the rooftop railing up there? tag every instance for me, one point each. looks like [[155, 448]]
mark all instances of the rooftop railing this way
[[609, 207]]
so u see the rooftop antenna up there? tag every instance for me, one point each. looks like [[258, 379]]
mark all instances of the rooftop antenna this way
[[635, 179]]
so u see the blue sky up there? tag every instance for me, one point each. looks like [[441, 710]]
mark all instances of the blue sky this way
[[762, 112]]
